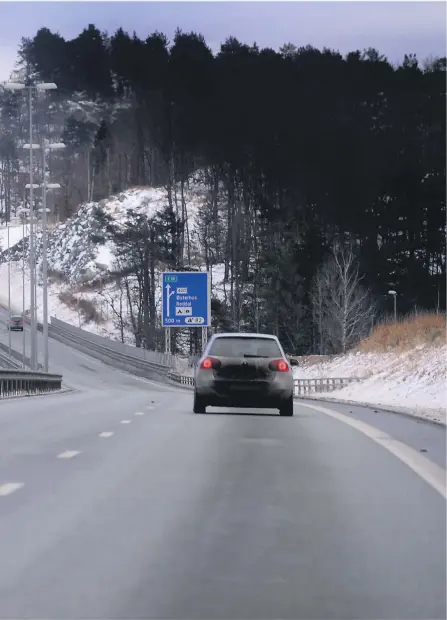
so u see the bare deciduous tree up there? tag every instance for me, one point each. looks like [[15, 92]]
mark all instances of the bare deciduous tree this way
[[342, 308], [116, 303]]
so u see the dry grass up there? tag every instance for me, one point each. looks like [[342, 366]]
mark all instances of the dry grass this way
[[86, 307], [428, 329]]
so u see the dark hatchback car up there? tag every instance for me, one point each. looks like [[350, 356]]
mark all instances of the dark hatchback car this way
[[16, 323], [244, 370]]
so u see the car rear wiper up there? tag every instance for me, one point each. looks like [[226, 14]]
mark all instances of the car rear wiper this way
[[248, 355]]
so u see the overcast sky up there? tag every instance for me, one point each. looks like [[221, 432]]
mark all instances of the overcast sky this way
[[394, 28]]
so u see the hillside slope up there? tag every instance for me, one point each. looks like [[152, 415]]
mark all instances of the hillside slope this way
[[80, 262], [403, 367]]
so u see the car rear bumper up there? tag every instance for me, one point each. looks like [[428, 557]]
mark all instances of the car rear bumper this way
[[266, 394]]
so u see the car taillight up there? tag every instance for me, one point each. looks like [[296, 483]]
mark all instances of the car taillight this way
[[279, 366], [209, 363]]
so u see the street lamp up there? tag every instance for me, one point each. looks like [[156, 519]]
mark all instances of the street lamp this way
[[47, 146], [32, 263], [9, 292], [42, 86], [26, 211], [394, 295]]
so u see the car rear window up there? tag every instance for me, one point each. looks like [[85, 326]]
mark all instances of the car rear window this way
[[239, 347]]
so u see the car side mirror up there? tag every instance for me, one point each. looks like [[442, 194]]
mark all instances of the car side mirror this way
[[293, 361]]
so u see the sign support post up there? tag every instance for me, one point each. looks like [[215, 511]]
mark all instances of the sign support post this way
[[204, 338], [186, 302], [168, 340]]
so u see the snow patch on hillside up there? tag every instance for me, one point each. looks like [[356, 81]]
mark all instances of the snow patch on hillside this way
[[81, 255], [413, 381]]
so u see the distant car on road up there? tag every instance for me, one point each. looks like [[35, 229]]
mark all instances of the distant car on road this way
[[244, 370], [16, 323]]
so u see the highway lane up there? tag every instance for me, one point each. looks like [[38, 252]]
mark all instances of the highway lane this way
[[211, 516]]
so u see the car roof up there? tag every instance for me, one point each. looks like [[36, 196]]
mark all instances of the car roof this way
[[244, 335]]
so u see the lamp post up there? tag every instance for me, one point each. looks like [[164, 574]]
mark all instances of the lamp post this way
[[394, 295], [42, 86], [47, 146], [32, 264], [26, 211], [9, 293]]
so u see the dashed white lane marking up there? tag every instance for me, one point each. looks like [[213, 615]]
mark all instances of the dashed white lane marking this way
[[139, 412], [126, 421], [431, 473], [149, 407], [106, 434], [10, 487], [68, 454]]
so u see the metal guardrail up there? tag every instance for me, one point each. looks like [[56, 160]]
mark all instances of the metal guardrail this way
[[321, 385], [18, 357], [302, 387], [181, 379], [106, 351], [8, 363], [28, 383]]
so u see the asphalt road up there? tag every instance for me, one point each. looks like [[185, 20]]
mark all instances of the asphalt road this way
[[117, 502], [79, 370]]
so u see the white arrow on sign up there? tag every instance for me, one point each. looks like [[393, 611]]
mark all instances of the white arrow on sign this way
[[170, 292]]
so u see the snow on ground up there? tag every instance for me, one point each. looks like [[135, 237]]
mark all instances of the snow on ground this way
[[15, 235], [217, 276], [56, 307], [411, 381], [80, 250], [105, 256]]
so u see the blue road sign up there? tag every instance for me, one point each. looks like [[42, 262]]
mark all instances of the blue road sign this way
[[186, 299]]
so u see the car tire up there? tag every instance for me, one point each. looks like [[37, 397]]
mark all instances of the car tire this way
[[199, 404], [286, 408]]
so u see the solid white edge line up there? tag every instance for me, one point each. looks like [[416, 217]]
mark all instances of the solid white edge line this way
[[106, 434], [10, 487], [68, 454], [432, 474]]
